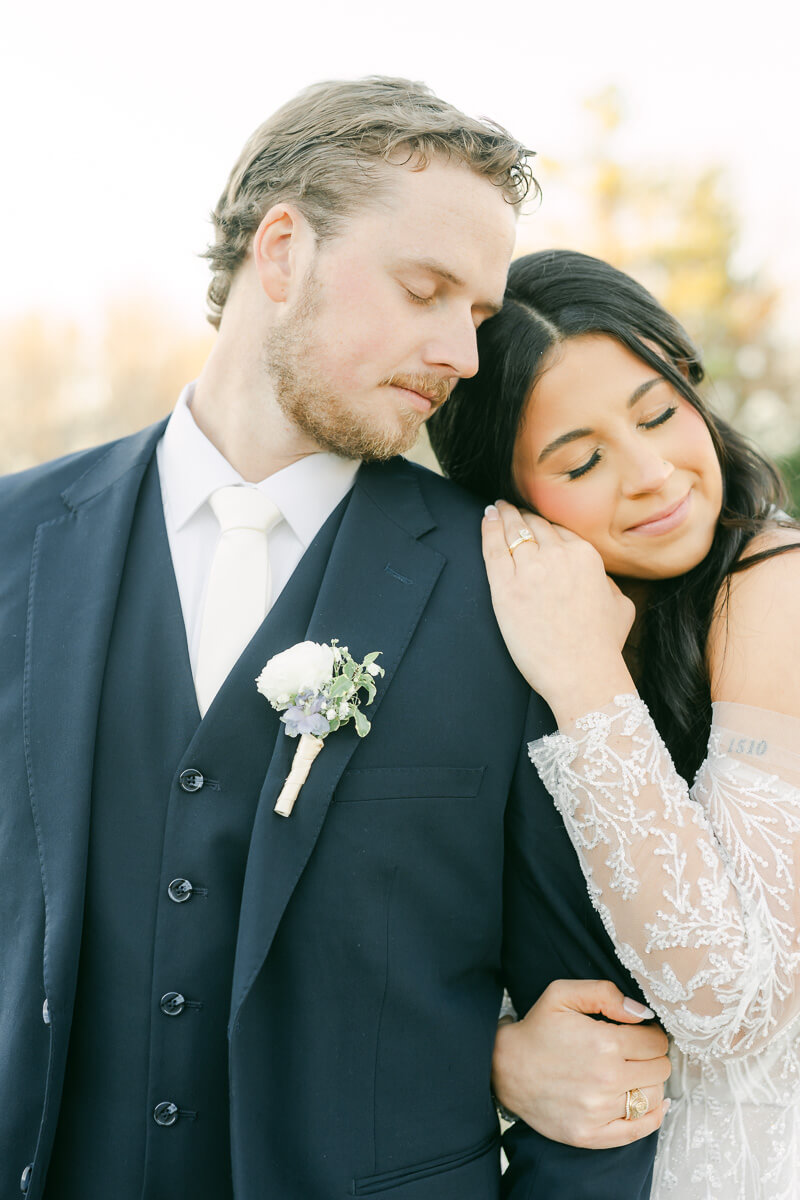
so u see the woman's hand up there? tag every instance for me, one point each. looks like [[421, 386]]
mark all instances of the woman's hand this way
[[564, 621], [566, 1074]]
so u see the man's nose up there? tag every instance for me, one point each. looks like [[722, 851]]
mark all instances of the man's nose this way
[[647, 471], [454, 350]]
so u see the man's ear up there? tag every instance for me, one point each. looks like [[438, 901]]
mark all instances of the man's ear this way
[[276, 249]]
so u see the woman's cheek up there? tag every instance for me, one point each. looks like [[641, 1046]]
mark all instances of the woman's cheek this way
[[563, 505], [697, 449]]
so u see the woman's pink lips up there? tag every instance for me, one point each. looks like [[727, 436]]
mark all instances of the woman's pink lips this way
[[669, 520]]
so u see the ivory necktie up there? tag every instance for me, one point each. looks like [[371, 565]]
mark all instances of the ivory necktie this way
[[239, 588]]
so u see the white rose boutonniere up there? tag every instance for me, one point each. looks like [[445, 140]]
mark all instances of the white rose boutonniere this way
[[317, 689], [305, 667]]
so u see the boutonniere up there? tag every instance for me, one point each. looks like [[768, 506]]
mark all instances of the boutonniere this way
[[317, 689]]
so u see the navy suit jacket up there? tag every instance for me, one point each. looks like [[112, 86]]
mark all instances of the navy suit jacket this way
[[372, 930]]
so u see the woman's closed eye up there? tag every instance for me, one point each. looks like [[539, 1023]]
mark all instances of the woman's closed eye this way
[[661, 419], [576, 472]]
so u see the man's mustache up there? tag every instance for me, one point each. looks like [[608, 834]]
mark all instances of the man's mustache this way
[[433, 386]]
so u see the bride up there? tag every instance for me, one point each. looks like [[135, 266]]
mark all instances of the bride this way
[[652, 597]]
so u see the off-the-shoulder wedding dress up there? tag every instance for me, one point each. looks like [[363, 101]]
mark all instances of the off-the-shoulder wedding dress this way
[[700, 891]]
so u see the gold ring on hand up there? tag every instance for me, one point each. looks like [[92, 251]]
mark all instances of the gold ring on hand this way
[[525, 535], [636, 1104]]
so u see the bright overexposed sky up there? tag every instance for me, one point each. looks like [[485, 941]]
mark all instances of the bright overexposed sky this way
[[120, 123]]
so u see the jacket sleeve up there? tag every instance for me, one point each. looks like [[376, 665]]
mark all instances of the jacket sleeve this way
[[552, 932]]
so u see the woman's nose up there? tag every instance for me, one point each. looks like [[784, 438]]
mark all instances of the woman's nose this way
[[647, 472]]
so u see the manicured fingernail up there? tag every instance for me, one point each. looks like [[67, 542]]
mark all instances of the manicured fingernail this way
[[636, 1009], [491, 513], [665, 1104]]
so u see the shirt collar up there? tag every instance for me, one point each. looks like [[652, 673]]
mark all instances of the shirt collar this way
[[309, 490], [191, 468]]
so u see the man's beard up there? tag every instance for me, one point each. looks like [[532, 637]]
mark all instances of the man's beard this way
[[322, 414]]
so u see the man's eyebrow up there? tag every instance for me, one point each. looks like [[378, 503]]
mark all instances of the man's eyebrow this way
[[492, 307], [575, 435]]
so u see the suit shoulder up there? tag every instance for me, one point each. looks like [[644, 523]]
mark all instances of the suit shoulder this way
[[53, 475], [32, 496], [457, 515], [440, 492]]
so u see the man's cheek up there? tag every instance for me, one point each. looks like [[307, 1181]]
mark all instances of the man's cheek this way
[[361, 358]]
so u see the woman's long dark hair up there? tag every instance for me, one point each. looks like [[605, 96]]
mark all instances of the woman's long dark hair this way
[[560, 294]]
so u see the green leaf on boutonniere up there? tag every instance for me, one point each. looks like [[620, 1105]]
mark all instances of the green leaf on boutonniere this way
[[340, 688], [361, 723]]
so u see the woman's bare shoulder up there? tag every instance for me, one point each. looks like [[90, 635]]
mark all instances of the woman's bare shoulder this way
[[754, 640], [771, 537]]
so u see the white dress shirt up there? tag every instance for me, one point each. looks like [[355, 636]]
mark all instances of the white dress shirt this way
[[190, 468]]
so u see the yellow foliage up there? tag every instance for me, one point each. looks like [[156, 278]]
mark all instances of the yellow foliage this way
[[64, 389]]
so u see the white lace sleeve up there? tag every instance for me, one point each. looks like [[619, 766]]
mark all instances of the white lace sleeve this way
[[698, 889]]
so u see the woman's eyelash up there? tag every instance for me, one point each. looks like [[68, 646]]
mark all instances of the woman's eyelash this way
[[418, 299], [661, 418], [587, 466]]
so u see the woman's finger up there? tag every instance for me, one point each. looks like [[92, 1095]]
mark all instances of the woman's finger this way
[[565, 534], [519, 539], [499, 564], [622, 1132], [653, 1095], [544, 529], [514, 521], [523, 536], [645, 1073]]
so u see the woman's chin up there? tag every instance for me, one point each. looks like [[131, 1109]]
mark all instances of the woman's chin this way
[[667, 567]]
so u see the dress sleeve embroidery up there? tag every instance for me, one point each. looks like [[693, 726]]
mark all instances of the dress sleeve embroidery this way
[[698, 888]]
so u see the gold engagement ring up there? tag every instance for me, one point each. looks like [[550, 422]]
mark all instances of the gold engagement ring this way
[[635, 1104], [525, 535]]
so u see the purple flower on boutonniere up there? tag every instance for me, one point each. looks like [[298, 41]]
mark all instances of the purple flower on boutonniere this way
[[306, 716], [317, 689]]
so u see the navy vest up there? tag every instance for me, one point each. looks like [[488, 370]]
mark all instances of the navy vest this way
[[144, 1111]]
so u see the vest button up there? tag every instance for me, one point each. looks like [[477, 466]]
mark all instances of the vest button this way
[[26, 1178], [179, 890], [165, 1113], [191, 780], [46, 1012], [172, 1004]]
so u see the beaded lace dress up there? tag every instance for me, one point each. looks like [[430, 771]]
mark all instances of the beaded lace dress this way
[[699, 889]]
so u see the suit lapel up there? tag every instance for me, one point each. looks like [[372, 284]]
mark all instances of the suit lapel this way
[[75, 575], [373, 594]]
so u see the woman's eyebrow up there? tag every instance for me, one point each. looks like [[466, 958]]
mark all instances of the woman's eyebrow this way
[[643, 388], [575, 435]]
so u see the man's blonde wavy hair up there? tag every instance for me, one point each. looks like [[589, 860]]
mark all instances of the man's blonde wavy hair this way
[[326, 151]]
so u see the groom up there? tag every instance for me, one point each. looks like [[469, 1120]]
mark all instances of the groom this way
[[200, 998]]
